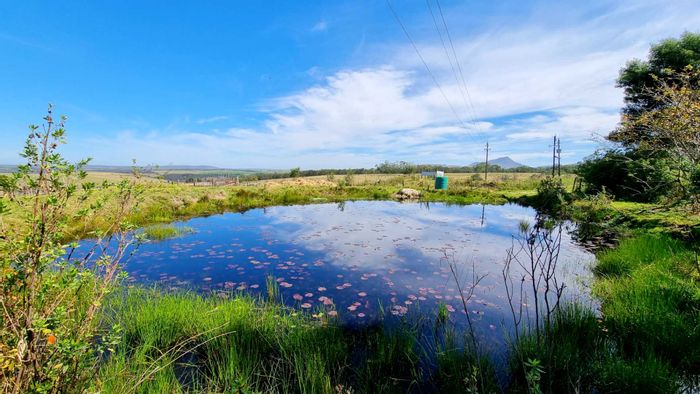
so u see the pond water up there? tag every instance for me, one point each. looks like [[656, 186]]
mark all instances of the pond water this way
[[355, 258]]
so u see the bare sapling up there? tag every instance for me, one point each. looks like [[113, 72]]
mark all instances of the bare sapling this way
[[536, 252], [467, 283]]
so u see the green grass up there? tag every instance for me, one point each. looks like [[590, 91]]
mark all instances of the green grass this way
[[566, 351], [161, 232], [650, 297], [185, 342], [647, 338], [579, 354]]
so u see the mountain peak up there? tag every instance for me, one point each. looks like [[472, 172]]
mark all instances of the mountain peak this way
[[504, 162]]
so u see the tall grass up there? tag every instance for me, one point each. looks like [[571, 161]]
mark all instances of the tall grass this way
[[161, 232], [578, 355], [650, 297], [647, 338], [185, 342]]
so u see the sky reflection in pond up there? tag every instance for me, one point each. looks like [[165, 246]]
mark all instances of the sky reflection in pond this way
[[354, 256]]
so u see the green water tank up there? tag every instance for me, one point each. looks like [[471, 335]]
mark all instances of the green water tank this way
[[441, 183]]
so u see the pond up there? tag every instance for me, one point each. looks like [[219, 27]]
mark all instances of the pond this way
[[356, 259]]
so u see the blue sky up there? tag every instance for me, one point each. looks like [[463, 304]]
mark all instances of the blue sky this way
[[320, 84]]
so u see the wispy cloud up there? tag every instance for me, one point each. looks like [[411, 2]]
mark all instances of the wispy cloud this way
[[211, 119], [320, 26]]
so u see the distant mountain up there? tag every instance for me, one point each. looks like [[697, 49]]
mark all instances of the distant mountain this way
[[504, 162]]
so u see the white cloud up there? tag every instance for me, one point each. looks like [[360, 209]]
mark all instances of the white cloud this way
[[526, 83]]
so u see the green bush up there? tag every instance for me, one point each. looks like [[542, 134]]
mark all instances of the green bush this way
[[628, 176], [695, 181], [551, 195]]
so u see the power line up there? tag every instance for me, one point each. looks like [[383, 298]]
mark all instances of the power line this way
[[459, 66], [449, 58], [413, 44], [463, 86]]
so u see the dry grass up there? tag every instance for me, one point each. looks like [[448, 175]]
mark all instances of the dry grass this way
[[373, 179]]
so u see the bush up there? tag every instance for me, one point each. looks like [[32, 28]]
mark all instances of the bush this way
[[51, 338], [695, 181], [627, 176], [551, 195]]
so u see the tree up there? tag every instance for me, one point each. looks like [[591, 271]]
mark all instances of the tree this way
[[295, 172], [658, 140], [640, 79], [671, 130]]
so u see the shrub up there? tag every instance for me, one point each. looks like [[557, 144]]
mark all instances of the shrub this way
[[632, 176], [51, 334], [695, 181], [551, 195]]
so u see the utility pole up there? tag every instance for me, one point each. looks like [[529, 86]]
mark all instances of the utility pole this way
[[486, 169], [559, 156], [554, 155]]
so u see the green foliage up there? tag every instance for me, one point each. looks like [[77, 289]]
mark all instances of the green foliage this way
[[695, 181], [632, 175], [533, 375], [551, 195], [639, 78], [596, 220], [295, 172], [400, 167], [50, 333], [658, 130]]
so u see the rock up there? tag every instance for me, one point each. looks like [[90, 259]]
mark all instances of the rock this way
[[407, 194]]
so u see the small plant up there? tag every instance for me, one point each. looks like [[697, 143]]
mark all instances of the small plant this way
[[349, 178], [533, 375]]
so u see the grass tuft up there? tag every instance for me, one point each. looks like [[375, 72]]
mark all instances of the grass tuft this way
[[162, 232]]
